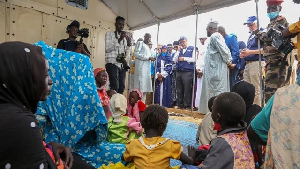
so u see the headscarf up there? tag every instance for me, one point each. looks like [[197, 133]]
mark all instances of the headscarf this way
[[164, 54], [134, 112], [102, 90], [118, 107], [22, 77], [247, 92]]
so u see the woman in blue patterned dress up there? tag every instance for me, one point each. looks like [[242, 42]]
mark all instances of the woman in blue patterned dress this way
[[72, 115]]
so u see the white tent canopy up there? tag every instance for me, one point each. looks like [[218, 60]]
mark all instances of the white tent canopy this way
[[144, 13]]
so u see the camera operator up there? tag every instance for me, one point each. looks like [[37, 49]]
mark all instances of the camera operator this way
[[294, 28], [272, 55], [117, 47], [71, 44]]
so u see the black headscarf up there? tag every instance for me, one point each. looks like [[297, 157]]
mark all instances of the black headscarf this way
[[22, 75], [247, 92]]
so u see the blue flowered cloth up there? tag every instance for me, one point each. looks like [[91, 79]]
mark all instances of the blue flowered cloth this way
[[72, 114]]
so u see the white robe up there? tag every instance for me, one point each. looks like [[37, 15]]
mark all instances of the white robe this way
[[142, 75], [216, 73], [200, 65]]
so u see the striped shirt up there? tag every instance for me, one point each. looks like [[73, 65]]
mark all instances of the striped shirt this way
[[113, 48]]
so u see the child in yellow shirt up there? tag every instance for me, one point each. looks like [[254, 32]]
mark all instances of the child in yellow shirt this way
[[154, 151]]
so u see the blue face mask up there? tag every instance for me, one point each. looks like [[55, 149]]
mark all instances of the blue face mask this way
[[163, 54], [273, 15]]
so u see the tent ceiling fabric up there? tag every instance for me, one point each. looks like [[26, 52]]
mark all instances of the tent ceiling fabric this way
[[144, 13]]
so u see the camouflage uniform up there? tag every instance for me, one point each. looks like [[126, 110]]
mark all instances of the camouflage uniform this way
[[273, 58]]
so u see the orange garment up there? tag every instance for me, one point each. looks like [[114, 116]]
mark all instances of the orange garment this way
[[157, 157], [294, 28], [61, 165]]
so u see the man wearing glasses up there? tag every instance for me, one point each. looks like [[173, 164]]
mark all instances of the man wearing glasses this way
[[250, 55]]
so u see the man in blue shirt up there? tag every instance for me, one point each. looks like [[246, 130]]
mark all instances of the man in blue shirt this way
[[250, 54], [232, 44]]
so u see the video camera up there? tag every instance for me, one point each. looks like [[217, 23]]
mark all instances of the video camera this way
[[282, 44], [83, 33]]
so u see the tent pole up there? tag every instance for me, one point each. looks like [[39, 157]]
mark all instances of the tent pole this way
[[194, 76], [129, 72], [262, 91], [155, 64]]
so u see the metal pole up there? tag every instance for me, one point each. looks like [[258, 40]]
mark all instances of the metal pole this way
[[155, 65], [262, 91], [129, 72], [196, 34]]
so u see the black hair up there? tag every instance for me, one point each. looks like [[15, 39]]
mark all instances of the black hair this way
[[119, 18], [210, 103], [155, 117], [231, 107]]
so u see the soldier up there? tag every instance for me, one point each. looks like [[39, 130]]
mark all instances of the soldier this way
[[273, 79]]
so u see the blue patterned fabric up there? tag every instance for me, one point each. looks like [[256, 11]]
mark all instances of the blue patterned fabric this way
[[72, 114]]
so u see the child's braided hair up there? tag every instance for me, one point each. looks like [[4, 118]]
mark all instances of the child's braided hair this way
[[155, 117]]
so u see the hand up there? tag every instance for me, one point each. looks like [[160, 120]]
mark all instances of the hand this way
[[79, 48], [232, 66], [286, 32], [245, 53], [128, 39], [192, 152], [159, 76], [180, 59], [62, 152], [179, 48], [123, 35], [256, 31], [160, 79], [199, 74], [152, 58]]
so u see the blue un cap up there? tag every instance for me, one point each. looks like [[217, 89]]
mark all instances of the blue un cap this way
[[251, 19], [182, 38]]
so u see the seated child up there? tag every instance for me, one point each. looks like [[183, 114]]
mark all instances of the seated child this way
[[101, 78], [117, 123], [154, 151], [135, 107], [206, 130], [247, 92], [231, 148]]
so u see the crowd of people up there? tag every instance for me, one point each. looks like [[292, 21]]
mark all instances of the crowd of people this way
[[57, 111]]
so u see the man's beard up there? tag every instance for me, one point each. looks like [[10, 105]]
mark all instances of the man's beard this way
[[297, 1]]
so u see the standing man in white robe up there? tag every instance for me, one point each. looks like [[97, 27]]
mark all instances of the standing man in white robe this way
[[200, 67], [216, 67], [142, 76]]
